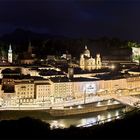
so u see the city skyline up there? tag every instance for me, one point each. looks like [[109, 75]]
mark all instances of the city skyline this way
[[66, 65], [76, 18]]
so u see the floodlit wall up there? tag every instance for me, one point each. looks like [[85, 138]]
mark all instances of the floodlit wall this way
[[135, 54], [25, 92], [43, 92]]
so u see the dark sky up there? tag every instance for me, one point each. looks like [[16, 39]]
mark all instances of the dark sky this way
[[76, 18]]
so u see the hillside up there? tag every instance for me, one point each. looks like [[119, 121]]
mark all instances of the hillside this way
[[128, 128], [45, 44]]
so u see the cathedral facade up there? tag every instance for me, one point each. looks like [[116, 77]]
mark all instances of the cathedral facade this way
[[89, 63]]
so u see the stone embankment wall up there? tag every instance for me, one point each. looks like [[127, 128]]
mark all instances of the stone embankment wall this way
[[88, 109]]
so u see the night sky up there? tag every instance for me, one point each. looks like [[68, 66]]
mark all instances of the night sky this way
[[75, 18]]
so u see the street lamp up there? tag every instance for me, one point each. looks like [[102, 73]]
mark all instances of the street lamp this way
[[112, 67]]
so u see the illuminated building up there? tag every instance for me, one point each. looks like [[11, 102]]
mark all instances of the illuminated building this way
[[135, 54], [10, 59], [63, 88], [42, 91], [66, 56], [24, 90], [111, 85], [89, 63], [59, 89]]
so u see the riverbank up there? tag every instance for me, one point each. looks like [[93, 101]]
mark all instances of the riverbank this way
[[89, 108], [67, 111], [117, 129], [45, 114]]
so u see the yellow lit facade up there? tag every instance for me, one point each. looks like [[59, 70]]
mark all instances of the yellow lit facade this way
[[73, 89], [89, 63], [62, 90], [43, 92], [31, 91], [25, 92]]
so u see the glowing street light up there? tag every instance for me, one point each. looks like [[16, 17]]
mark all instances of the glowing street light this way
[[99, 103], [99, 117], [112, 67], [79, 106], [71, 107], [109, 101]]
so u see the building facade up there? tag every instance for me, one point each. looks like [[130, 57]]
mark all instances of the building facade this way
[[25, 91], [59, 89], [43, 91], [89, 63], [136, 54], [64, 89]]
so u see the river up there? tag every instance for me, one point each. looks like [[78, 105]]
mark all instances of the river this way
[[80, 120], [62, 122]]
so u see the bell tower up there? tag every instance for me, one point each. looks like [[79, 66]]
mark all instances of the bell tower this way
[[10, 60], [98, 61]]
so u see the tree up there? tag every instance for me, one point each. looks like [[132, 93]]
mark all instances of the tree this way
[[133, 44]]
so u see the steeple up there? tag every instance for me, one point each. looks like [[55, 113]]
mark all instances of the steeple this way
[[30, 48], [10, 49], [10, 60], [86, 52]]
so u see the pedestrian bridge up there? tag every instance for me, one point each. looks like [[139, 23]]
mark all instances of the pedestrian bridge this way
[[129, 100]]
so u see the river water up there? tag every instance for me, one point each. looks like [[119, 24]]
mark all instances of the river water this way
[[80, 120], [63, 122]]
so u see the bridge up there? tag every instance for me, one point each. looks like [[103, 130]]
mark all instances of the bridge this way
[[128, 100]]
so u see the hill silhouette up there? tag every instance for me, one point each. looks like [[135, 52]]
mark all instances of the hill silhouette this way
[[127, 128], [47, 44]]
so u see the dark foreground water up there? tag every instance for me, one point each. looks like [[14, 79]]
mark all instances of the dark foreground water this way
[[62, 122]]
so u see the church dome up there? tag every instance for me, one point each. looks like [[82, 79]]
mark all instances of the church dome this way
[[86, 52]]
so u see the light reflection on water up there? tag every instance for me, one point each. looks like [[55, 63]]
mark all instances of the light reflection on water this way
[[85, 119]]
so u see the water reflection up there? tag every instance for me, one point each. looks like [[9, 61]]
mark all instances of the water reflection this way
[[109, 116], [55, 125], [87, 119]]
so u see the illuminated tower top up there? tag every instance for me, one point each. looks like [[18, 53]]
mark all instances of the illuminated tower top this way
[[10, 60], [10, 49], [86, 52]]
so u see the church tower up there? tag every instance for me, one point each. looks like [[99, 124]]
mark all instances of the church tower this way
[[82, 62], [10, 60], [98, 61], [30, 48]]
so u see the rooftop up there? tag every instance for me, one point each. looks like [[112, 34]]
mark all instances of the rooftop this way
[[46, 83], [66, 79]]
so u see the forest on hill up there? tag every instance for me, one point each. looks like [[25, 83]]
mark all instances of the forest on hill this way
[[45, 44]]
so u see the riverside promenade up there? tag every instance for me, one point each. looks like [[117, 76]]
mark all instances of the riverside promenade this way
[[123, 98]]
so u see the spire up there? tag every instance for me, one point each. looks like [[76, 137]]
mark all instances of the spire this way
[[10, 54], [30, 47], [10, 49]]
